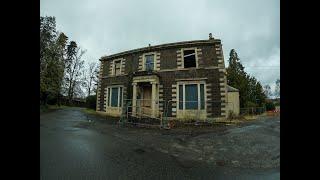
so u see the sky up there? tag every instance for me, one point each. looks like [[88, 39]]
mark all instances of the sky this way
[[105, 27]]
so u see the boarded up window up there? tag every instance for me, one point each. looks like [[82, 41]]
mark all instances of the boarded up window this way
[[189, 57]]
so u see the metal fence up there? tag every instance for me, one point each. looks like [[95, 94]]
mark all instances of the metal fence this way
[[252, 111], [142, 113]]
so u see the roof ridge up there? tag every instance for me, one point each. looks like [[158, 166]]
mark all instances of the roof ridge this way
[[148, 48]]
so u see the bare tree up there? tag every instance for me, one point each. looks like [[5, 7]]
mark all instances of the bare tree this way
[[73, 71], [277, 89], [267, 91], [91, 77]]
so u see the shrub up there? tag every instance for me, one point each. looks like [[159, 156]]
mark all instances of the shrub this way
[[250, 104], [91, 101], [270, 106]]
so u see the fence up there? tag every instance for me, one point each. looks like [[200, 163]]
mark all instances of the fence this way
[[252, 111], [142, 113], [190, 111]]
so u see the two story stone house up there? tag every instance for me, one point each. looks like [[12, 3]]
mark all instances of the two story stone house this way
[[183, 80]]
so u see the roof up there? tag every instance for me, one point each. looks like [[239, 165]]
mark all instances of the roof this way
[[232, 89], [162, 46]]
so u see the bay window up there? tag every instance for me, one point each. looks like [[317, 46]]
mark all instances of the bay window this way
[[191, 96], [114, 98]]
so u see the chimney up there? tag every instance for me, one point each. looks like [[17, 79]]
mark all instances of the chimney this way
[[210, 36]]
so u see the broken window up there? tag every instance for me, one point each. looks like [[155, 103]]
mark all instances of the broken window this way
[[149, 63], [189, 57], [117, 68]]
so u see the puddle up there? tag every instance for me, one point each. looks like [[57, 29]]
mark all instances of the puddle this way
[[139, 151]]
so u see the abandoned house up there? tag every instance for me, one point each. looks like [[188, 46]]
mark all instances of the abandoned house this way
[[182, 80]]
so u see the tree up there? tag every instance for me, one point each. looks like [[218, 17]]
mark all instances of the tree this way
[[52, 50], [267, 91], [277, 89], [73, 71], [250, 90], [91, 77]]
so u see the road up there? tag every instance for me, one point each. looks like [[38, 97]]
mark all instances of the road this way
[[69, 151]]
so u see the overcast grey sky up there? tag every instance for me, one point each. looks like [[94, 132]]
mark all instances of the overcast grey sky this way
[[104, 27]]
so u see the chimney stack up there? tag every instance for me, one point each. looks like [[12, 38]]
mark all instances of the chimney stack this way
[[210, 36]]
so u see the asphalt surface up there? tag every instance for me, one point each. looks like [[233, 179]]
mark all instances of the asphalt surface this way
[[69, 151]]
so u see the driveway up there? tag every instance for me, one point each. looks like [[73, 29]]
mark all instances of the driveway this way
[[76, 146]]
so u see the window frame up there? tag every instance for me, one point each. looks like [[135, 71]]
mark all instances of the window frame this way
[[198, 83], [195, 53], [109, 96], [114, 67], [144, 61]]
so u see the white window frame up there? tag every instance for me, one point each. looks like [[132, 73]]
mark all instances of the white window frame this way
[[196, 55], [109, 90], [199, 95], [114, 67], [144, 60]]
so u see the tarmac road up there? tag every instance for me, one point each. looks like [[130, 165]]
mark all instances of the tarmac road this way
[[68, 151]]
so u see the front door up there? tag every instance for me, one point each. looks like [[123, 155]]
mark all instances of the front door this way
[[146, 100]]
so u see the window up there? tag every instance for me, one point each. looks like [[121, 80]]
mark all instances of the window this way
[[189, 58], [149, 62], [114, 97], [117, 67], [180, 96], [191, 96]]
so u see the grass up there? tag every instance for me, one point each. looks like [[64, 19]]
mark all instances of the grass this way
[[53, 107], [48, 108], [90, 111]]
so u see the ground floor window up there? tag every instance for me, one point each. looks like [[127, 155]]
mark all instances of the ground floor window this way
[[114, 96], [191, 96]]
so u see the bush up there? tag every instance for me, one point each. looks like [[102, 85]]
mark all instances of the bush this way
[[270, 106], [250, 104], [91, 101]]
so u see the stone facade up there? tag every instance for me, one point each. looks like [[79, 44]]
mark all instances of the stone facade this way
[[169, 69]]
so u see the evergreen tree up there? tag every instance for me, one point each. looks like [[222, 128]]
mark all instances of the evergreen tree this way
[[250, 90], [52, 50]]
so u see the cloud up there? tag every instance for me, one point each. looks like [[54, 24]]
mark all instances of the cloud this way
[[103, 27]]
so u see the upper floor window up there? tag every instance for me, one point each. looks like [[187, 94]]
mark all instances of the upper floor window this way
[[149, 62], [189, 58], [117, 67]]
